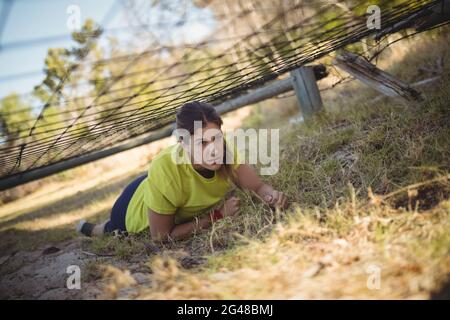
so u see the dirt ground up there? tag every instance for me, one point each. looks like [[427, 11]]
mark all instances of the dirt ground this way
[[43, 273]]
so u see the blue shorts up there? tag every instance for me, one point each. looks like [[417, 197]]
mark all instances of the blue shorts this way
[[119, 210]]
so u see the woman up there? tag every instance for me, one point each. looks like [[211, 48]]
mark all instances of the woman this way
[[177, 197]]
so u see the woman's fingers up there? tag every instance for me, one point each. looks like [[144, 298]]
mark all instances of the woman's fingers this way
[[236, 204], [284, 202], [270, 197], [279, 199], [233, 201], [231, 206]]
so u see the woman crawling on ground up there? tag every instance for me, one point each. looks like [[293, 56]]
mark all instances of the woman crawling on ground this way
[[187, 183]]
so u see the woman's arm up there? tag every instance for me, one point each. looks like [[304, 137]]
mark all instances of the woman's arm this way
[[162, 226], [249, 179]]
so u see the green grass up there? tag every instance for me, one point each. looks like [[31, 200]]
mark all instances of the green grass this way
[[328, 165]]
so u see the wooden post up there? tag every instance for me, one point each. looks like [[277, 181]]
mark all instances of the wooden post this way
[[375, 78], [306, 90]]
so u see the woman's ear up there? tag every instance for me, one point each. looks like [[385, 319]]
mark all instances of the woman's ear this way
[[183, 136], [185, 145]]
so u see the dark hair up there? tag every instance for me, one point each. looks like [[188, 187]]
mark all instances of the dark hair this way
[[204, 112]]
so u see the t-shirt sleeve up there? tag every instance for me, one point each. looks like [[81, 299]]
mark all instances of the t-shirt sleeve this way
[[161, 194]]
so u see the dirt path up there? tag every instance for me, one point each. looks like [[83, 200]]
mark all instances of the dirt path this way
[[43, 274]]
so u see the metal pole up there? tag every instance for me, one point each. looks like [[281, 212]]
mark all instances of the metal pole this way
[[42, 172]]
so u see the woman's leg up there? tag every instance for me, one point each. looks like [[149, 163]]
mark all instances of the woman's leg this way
[[118, 213]]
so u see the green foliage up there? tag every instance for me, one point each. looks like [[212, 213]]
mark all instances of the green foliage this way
[[61, 62], [16, 119]]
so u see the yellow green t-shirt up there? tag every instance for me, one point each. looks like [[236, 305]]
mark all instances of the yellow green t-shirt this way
[[172, 188]]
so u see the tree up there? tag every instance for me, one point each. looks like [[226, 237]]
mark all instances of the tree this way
[[15, 116]]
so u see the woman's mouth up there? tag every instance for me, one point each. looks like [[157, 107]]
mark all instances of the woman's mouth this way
[[213, 161]]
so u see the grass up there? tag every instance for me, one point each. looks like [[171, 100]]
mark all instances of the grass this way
[[309, 257], [369, 186], [370, 192]]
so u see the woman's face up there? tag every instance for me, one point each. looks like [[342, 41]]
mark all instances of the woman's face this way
[[206, 147]]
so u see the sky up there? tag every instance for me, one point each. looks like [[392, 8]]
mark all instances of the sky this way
[[30, 27]]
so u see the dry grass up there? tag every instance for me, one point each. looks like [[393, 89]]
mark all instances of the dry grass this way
[[370, 190], [305, 258]]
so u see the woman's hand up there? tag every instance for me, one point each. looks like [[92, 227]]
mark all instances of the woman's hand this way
[[273, 197], [249, 179], [230, 207]]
